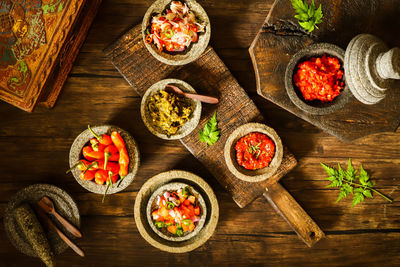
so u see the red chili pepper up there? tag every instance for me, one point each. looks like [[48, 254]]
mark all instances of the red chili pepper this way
[[99, 164], [123, 154], [96, 146], [88, 175], [81, 165], [91, 155], [149, 38], [103, 139]]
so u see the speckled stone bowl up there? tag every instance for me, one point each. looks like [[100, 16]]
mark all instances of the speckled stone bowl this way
[[188, 127], [83, 139], [252, 175], [192, 52], [151, 205], [176, 176], [315, 107], [64, 205]]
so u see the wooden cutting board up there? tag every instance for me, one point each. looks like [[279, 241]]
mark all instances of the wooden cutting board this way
[[39, 41], [281, 37], [209, 76]]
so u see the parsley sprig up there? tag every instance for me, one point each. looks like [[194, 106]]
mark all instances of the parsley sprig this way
[[210, 133], [346, 180], [308, 16]]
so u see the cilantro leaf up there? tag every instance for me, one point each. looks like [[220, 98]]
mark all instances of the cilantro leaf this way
[[308, 16], [210, 133]]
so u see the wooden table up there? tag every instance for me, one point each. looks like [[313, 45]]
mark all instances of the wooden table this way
[[35, 147]]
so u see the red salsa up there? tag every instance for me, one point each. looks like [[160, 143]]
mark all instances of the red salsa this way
[[254, 151], [319, 78]]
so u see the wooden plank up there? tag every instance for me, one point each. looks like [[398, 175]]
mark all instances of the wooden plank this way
[[209, 76], [281, 37]]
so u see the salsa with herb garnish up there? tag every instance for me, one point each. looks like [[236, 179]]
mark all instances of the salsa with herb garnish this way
[[177, 211], [319, 78], [254, 151]]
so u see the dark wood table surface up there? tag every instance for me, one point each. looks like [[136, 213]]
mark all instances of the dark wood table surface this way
[[35, 147]]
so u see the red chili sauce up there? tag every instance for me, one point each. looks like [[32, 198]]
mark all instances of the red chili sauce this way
[[319, 78], [254, 151]]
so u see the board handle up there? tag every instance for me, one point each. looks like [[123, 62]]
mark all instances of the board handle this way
[[293, 213]]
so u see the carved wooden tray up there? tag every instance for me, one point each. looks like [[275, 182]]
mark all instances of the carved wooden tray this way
[[39, 41], [281, 37], [209, 76]]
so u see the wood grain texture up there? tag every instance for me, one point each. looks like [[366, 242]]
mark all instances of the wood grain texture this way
[[35, 149], [281, 37], [209, 76]]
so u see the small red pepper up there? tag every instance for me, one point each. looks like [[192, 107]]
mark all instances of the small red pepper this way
[[88, 175], [96, 146], [91, 155], [123, 154], [81, 165], [103, 139]]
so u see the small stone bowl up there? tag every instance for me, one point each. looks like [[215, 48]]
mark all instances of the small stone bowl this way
[[75, 155], [187, 178], [188, 127], [315, 107], [174, 187], [252, 175], [192, 52]]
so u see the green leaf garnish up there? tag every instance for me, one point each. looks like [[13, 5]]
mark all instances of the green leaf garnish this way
[[346, 181], [210, 133], [308, 16]]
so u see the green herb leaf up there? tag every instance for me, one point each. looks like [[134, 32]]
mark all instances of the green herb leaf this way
[[210, 133], [308, 16], [345, 180]]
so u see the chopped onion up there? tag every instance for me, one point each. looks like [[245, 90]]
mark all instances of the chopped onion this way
[[172, 213], [195, 219], [166, 195]]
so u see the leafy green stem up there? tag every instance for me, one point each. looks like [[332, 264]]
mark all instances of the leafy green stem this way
[[370, 188]]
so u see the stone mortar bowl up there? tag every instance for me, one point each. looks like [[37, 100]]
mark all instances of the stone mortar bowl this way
[[176, 176], [133, 151], [192, 52], [186, 128], [64, 204], [315, 107], [252, 175], [174, 187]]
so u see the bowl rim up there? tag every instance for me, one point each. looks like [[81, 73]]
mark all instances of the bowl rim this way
[[188, 126], [230, 158], [133, 152], [316, 49], [196, 49], [175, 186], [141, 218]]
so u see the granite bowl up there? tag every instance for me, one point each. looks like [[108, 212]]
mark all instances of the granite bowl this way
[[315, 107], [186, 128], [252, 175], [176, 176], [192, 52], [64, 205], [83, 138], [151, 205]]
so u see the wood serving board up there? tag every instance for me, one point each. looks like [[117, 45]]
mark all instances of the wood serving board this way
[[209, 76], [281, 37]]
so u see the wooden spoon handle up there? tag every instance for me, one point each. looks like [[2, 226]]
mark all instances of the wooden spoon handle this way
[[69, 242], [70, 227], [293, 213], [202, 98]]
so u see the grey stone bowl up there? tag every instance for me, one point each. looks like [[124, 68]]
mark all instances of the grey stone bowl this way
[[188, 127], [252, 175], [192, 52], [133, 151], [315, 107], [151, 205], [176, 176], [64, 204]]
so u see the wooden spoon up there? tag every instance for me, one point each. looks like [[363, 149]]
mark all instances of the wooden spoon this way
[[48, 206], [202, 98]]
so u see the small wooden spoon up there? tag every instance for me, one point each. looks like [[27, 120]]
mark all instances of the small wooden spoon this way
[[48, 206], [202, 98]]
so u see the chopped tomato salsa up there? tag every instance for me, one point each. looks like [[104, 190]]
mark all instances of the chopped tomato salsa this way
[[177, 211], [319, 78], [254, 151]]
